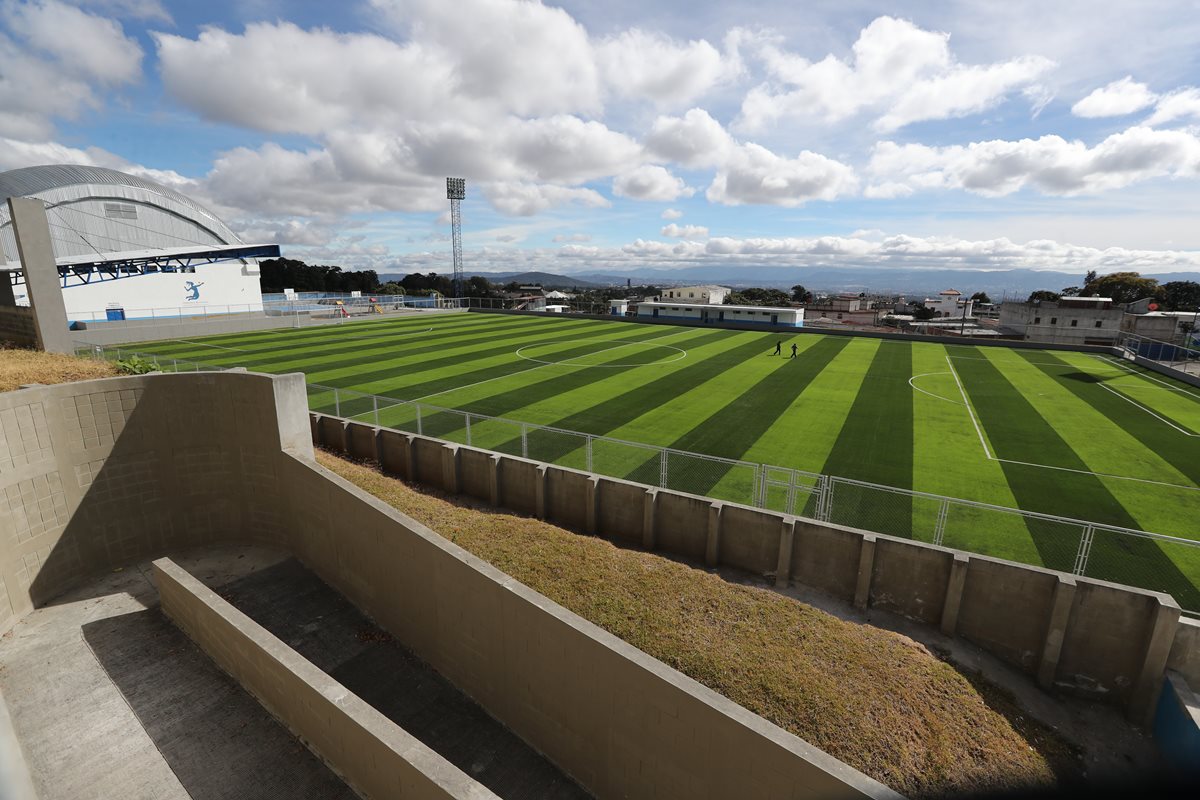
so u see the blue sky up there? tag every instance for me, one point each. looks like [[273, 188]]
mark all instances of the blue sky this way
[[611, 136]]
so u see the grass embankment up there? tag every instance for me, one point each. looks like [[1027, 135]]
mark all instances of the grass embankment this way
[[871, 698], [19, 367]]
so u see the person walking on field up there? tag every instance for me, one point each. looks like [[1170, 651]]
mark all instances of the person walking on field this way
[[778, 349], [793, 351]]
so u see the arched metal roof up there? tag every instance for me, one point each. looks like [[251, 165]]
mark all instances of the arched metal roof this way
[[31, 180]]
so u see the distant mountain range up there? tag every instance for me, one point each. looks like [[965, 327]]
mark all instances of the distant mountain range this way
[[545, 279], [1013, 283]]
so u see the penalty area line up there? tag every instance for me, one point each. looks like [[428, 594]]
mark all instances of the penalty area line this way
[[1148, 411], [966, 402], [992, 457]]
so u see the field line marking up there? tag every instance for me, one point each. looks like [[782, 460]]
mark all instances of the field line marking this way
[[1131, 371], [970, 410], [1101, 474], [1184, 431], [986, 451], [1034, 363], [531, 369], [931, 394], [205, 344]]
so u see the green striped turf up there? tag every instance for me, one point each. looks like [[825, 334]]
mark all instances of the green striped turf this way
[[844, 406]]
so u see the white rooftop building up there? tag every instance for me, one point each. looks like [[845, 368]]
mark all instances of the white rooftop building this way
[[713, 295]]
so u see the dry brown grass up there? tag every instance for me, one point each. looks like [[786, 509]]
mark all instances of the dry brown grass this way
[[872, 698], [19, 367]]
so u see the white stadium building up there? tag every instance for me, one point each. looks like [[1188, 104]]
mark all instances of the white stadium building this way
[[129, 248]]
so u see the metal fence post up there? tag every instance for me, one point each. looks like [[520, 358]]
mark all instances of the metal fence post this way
[[337, 403], [524, 440], [662, 468], [467, 418], [1085, 549], [375, 405], [939, 526], [419, 431], [588, 452]]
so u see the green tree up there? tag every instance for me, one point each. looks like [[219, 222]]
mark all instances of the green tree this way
[[800, 294], [981, 297], [922, 313], [755, 296], [1122, 287], [1044, 294], [1181, 295]]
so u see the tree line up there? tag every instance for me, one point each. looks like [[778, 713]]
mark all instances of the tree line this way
[[1129, 287]]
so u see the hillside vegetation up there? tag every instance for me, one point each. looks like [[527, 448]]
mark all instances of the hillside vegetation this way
[[20, 367]]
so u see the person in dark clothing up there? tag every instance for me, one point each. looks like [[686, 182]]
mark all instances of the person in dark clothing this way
[[793, 351], [778, 349]]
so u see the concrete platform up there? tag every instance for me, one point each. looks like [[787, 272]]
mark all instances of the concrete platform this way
[[325, 628], [110, 700]]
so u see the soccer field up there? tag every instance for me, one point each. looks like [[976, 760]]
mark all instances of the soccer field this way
[[1070, 434]]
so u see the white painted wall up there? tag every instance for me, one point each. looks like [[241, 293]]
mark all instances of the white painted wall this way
[[223, 288]]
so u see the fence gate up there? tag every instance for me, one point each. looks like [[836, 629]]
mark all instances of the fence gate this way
[[792, 491]]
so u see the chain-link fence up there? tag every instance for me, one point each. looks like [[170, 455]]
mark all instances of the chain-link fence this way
[[1121, 555]]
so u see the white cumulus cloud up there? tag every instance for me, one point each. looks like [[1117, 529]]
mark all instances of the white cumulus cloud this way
[[904, 73], [753, 174], [1179, 104], [685, 231], [526, 199], [651, 182], [1051, 164], [56, 61], [1116, 99]]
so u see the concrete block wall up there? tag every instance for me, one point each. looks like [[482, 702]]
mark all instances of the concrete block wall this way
[[17, 325], [374, 755], [1099, 640], [100, 474]]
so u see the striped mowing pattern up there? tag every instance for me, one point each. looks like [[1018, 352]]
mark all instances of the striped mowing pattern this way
[[1060, 433]]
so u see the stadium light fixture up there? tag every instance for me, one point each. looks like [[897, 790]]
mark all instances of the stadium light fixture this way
[[456, 190]]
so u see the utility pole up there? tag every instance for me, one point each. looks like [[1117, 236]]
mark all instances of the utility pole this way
[[456, 190]]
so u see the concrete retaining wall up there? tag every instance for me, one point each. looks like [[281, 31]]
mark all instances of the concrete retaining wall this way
[[17, 325], [100, 474], [741, 326], [374, 755], [1087, 637]]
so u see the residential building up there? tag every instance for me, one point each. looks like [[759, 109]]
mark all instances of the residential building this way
[[713, 295], [1071, 320], [950, 303], [848, 309]]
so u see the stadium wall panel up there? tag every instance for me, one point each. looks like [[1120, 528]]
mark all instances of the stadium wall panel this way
[[749, 539], [910, 581]]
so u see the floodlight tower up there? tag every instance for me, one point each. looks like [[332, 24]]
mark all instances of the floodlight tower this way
[[456, 190]]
